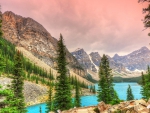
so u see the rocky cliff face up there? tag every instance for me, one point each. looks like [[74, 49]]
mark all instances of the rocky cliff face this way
[[92, 61], [32, 36], [33, 93], [137, 60], [84, 59], [132, 63]]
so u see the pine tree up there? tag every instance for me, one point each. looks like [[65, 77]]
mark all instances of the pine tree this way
[[17, 82], [91, 88], [94, 90], [37, 80], [129, 93], [40, 110], [147, 84], [49, 103], [146, 10], [7, 105], [1, 33], [105, 91], [143, 89], [115, 99], [63, 99], [77, 95], [2, 62]]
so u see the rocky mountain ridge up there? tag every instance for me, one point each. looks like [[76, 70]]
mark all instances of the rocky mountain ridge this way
[[92, 61], [136, 60], [29, 34], [131, 64], [84, 59]]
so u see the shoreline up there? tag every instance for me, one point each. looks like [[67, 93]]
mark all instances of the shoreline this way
[[28, 104]]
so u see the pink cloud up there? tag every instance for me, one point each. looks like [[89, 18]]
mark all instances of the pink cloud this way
[[95, 25]]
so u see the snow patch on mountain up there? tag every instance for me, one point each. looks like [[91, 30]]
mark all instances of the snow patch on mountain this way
[[93, 63]]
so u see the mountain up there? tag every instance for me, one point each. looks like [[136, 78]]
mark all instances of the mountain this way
[[92, 61], [84, 59], [137, 60], [131, 64], [29, 34]]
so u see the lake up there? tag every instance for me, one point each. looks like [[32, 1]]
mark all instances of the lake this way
[[121, 89]]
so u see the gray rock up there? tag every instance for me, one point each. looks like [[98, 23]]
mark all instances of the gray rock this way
[[31, 35]]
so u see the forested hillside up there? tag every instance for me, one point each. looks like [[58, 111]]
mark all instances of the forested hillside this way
[[31, 71]]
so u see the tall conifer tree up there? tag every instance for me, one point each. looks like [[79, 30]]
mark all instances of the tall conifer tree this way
[[7, 105], [49, 103], [129, 93], [63, 99], [143, 89], [77, 95], [2, 62], [106, 92], [147, 84], [17, 83]]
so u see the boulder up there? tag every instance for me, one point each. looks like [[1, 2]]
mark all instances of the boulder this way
[[102, 106]]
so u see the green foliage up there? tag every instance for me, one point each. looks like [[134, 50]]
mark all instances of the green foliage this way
[[146, 20], [96, 110], [73, 82], [133, 79], [129, 93], [7, 106], [115, 99], [2, 63], [89, 78], [18, 82], [92, 89], [7, 64], [63, 99], [118, 111], [49, 103], [77, 95], [40, 110], [145, 90], [106, 92]]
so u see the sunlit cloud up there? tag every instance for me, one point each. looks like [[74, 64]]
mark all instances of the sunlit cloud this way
[[95, 25]]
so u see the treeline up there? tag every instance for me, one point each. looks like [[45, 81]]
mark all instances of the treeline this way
[[120, 79], [73, 81], [145, 83], [30, 71]]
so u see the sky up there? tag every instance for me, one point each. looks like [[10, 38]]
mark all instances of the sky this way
[[104, 26]]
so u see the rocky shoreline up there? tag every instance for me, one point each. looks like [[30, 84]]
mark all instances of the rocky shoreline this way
[[36, 93], [133, 106], [33, 93]]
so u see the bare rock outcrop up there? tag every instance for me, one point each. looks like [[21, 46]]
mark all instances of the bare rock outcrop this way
[[134, 106], [29, 34], [33, 93], [89, 109], [102, 106]]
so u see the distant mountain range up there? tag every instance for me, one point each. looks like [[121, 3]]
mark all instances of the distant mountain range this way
[[136, 61], [91, 61], [32, 36]]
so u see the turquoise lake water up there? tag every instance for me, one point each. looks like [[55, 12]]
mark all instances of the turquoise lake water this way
[[121, 89]]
